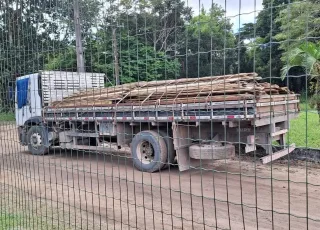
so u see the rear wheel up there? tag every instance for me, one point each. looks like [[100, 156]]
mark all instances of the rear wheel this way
[[37, 138], [149, 151]]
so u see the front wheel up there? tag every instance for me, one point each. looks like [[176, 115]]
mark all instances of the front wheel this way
[[149, 151], [38, 143]]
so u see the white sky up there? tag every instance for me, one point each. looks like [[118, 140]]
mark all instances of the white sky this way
[[248, 10]]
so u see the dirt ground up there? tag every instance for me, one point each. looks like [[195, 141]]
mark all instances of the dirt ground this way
[[78, 190]]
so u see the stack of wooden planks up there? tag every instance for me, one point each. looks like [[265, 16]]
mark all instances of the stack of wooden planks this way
[[185, 90]]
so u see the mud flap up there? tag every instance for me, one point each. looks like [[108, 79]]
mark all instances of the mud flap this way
[[181, 142]]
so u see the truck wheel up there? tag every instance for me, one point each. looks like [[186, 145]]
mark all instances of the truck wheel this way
[[37, 139], [149, 151], [170, 149]]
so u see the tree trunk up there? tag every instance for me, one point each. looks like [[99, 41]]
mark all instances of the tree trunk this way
[[317, 96], [79, 47], [154, 41], [318, 110], [115, 55]]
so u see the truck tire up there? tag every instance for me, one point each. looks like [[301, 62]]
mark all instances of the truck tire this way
[[149, 151], [170, 149], [37, 139], [215, 151]]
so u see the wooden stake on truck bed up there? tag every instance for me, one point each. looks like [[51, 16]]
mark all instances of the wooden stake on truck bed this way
[[188, 90]]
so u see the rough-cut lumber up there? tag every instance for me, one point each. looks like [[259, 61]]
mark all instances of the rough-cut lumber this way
[[234, 87]]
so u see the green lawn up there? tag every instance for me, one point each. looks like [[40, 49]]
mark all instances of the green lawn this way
[[9, 221], [305, 130], [7, 117]]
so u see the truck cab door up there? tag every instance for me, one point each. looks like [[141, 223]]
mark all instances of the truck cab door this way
[[28, 98]]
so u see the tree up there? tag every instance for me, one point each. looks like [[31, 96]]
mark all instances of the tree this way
[[299, 22], [307, 56], [161, 23], [262, 47], [25, 37], [31, 28], [61, 18], [138, 62], [268, 55], [210, 46], [248, 44]]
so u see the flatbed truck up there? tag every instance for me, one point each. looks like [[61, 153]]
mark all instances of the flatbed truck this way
[[154, 136]]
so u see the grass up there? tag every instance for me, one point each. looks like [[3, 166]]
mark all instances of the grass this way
[[7, 116], [9, 221], [305, 130]]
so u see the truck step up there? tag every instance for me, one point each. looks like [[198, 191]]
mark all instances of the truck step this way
[[110, 147], [77, 134], [277, 155]]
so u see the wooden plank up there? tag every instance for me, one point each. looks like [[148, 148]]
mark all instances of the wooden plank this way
[[277, 108], [283, 131], [277, 155]]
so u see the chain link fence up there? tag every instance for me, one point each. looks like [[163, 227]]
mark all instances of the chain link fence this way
[[152, 114]]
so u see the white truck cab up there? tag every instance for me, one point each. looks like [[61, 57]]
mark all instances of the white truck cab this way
[[35, 91], [28, 98]]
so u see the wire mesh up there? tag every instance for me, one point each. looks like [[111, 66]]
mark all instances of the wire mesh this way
[[151, 114]]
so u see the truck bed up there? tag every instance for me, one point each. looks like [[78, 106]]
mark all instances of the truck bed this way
[[238, 96], [230, 110]]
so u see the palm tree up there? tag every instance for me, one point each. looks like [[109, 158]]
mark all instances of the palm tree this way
[[307, 56]]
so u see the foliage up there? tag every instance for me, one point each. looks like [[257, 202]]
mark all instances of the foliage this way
[[89, 17], [9, 220], [210, 44], [65, 61], [307, 56], [299, 22], [9, 116], [281, 26], [162, 22], [268, 55], [138, 62], [314, 101], [262, 53], [24, 40]]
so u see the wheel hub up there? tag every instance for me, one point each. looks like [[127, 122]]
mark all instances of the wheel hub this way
[[36, 140], [145, 152]]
